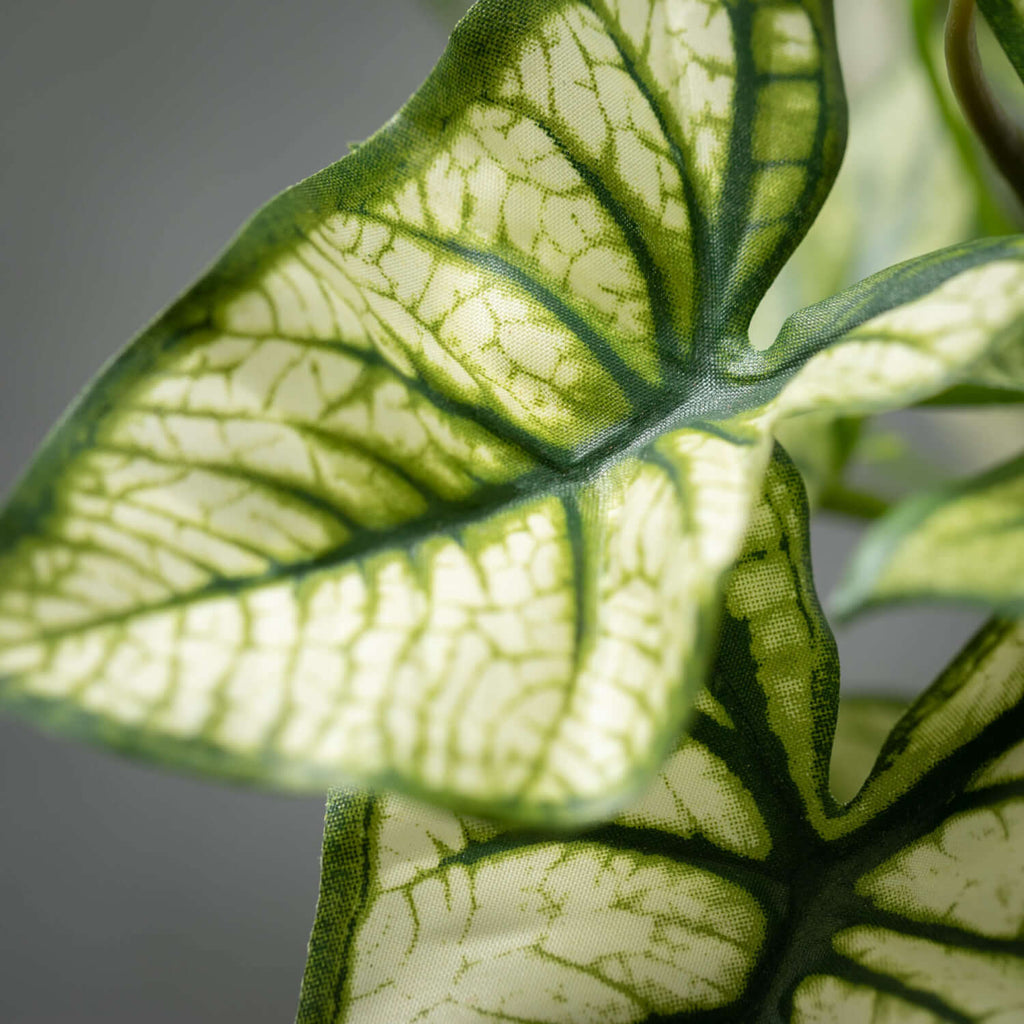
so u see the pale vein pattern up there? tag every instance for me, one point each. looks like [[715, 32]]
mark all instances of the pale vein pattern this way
[[325, 534]]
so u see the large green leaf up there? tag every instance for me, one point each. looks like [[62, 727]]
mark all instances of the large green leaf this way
[[431, 481], [962, 542], [738, 888]]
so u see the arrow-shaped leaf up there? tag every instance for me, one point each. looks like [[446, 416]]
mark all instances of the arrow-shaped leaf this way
[[431, 481]]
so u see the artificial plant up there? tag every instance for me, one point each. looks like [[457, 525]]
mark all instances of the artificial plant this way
[[738, 889], [433, 482]]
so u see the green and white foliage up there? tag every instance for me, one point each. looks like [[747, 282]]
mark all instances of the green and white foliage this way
[[902, 165], [432, 480], [738, 889], [963, 542]]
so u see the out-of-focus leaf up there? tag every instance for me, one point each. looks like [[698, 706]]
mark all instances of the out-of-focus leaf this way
[[962, 542], [1007, 20]]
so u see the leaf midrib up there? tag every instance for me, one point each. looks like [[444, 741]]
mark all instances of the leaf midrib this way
[[446, 519], [700, 375]]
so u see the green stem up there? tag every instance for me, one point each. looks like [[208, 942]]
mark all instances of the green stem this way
[[1000, 134], [991, 219], [848, 501]]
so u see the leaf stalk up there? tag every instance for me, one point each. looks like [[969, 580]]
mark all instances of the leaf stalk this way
[[856, 504], [1002, 137]]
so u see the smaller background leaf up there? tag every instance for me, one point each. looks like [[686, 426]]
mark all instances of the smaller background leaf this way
[[963, 542]]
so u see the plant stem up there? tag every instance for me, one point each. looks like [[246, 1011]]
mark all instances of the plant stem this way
[[850, 502], [1001, 136], [991, 219]]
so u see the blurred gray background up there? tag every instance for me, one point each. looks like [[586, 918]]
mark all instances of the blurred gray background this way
[[134, 140]]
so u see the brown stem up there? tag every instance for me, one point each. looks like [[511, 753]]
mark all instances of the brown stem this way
[[1002, 137]]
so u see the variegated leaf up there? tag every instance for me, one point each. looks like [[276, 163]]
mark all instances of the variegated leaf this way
[[432, 480], [962, 542], [738, 888]]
